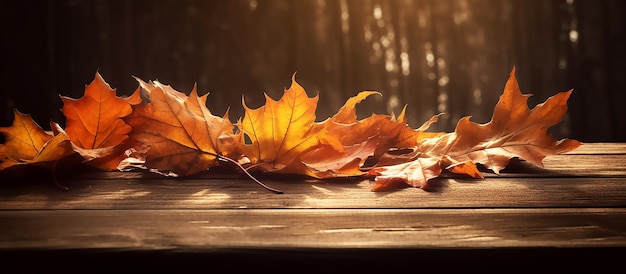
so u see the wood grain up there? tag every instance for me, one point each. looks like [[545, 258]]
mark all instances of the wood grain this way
[[313, 228], [232, 194], [564, 215], [571, 180]]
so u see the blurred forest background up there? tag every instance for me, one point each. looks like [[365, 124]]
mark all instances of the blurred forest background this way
[[450, 56]]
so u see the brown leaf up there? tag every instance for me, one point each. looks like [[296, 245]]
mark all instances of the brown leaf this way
[[183, 136], [326, 162], [346, 143], [514, 131], [410, 138], [415, 173]]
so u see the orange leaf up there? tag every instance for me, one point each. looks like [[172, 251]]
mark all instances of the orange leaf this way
[[347, 113], [326, 162], [514, 131], [95, 120], [347, 142], [183, 136], [409, 138], [280, 131], [415, 173], [27, 143], [467, 168], [95, 124]]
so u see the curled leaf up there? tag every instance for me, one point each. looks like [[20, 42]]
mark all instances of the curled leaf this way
[[514, 131], [28, 144]]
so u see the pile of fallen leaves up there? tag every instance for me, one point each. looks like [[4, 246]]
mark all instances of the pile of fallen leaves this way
[[165, 131]]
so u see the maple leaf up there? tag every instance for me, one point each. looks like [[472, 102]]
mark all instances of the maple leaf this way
[[345, 129], [409, 138], [280, 131], [324, 161], [183, 136], [346, 143], [27, 143], [95, 124], [514, 131], [95, 120]]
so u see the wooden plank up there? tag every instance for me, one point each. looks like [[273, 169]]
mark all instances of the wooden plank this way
[[205, 194], [594, 160], [570, 165], [312, 228], [588, 160], [600, 148]]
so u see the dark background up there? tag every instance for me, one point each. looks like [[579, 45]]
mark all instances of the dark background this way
[[436, 56]]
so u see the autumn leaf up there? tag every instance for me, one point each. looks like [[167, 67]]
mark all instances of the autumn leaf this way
[[416, 172], [514, 131], [183, 136], [280, 131], [409, 138], [166, 131], [95, 124], [28, 144], [346, 143], [95, 120], [324, 161], [344, 128]]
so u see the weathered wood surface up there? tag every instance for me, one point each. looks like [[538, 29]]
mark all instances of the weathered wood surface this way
[[590, 178], [576, 204], [237, 194], [314, 228]]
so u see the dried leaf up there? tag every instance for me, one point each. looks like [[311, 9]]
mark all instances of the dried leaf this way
[[415, 173], [95, 120], [27, 143], [280, 131], [346, 143], [183, 136], [514, 131], [95, 124], [326, 162]]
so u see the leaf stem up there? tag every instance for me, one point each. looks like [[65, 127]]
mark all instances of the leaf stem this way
[[54, 177], [226, 159]]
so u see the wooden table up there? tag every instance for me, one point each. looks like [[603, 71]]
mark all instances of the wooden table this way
[[569, 216]]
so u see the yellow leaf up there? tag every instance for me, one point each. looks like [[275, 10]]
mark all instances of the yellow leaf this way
[[27, 143], [280, 130]]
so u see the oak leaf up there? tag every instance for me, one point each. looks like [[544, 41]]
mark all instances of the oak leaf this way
[[514, 131], [26, 143], [183, 136]]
